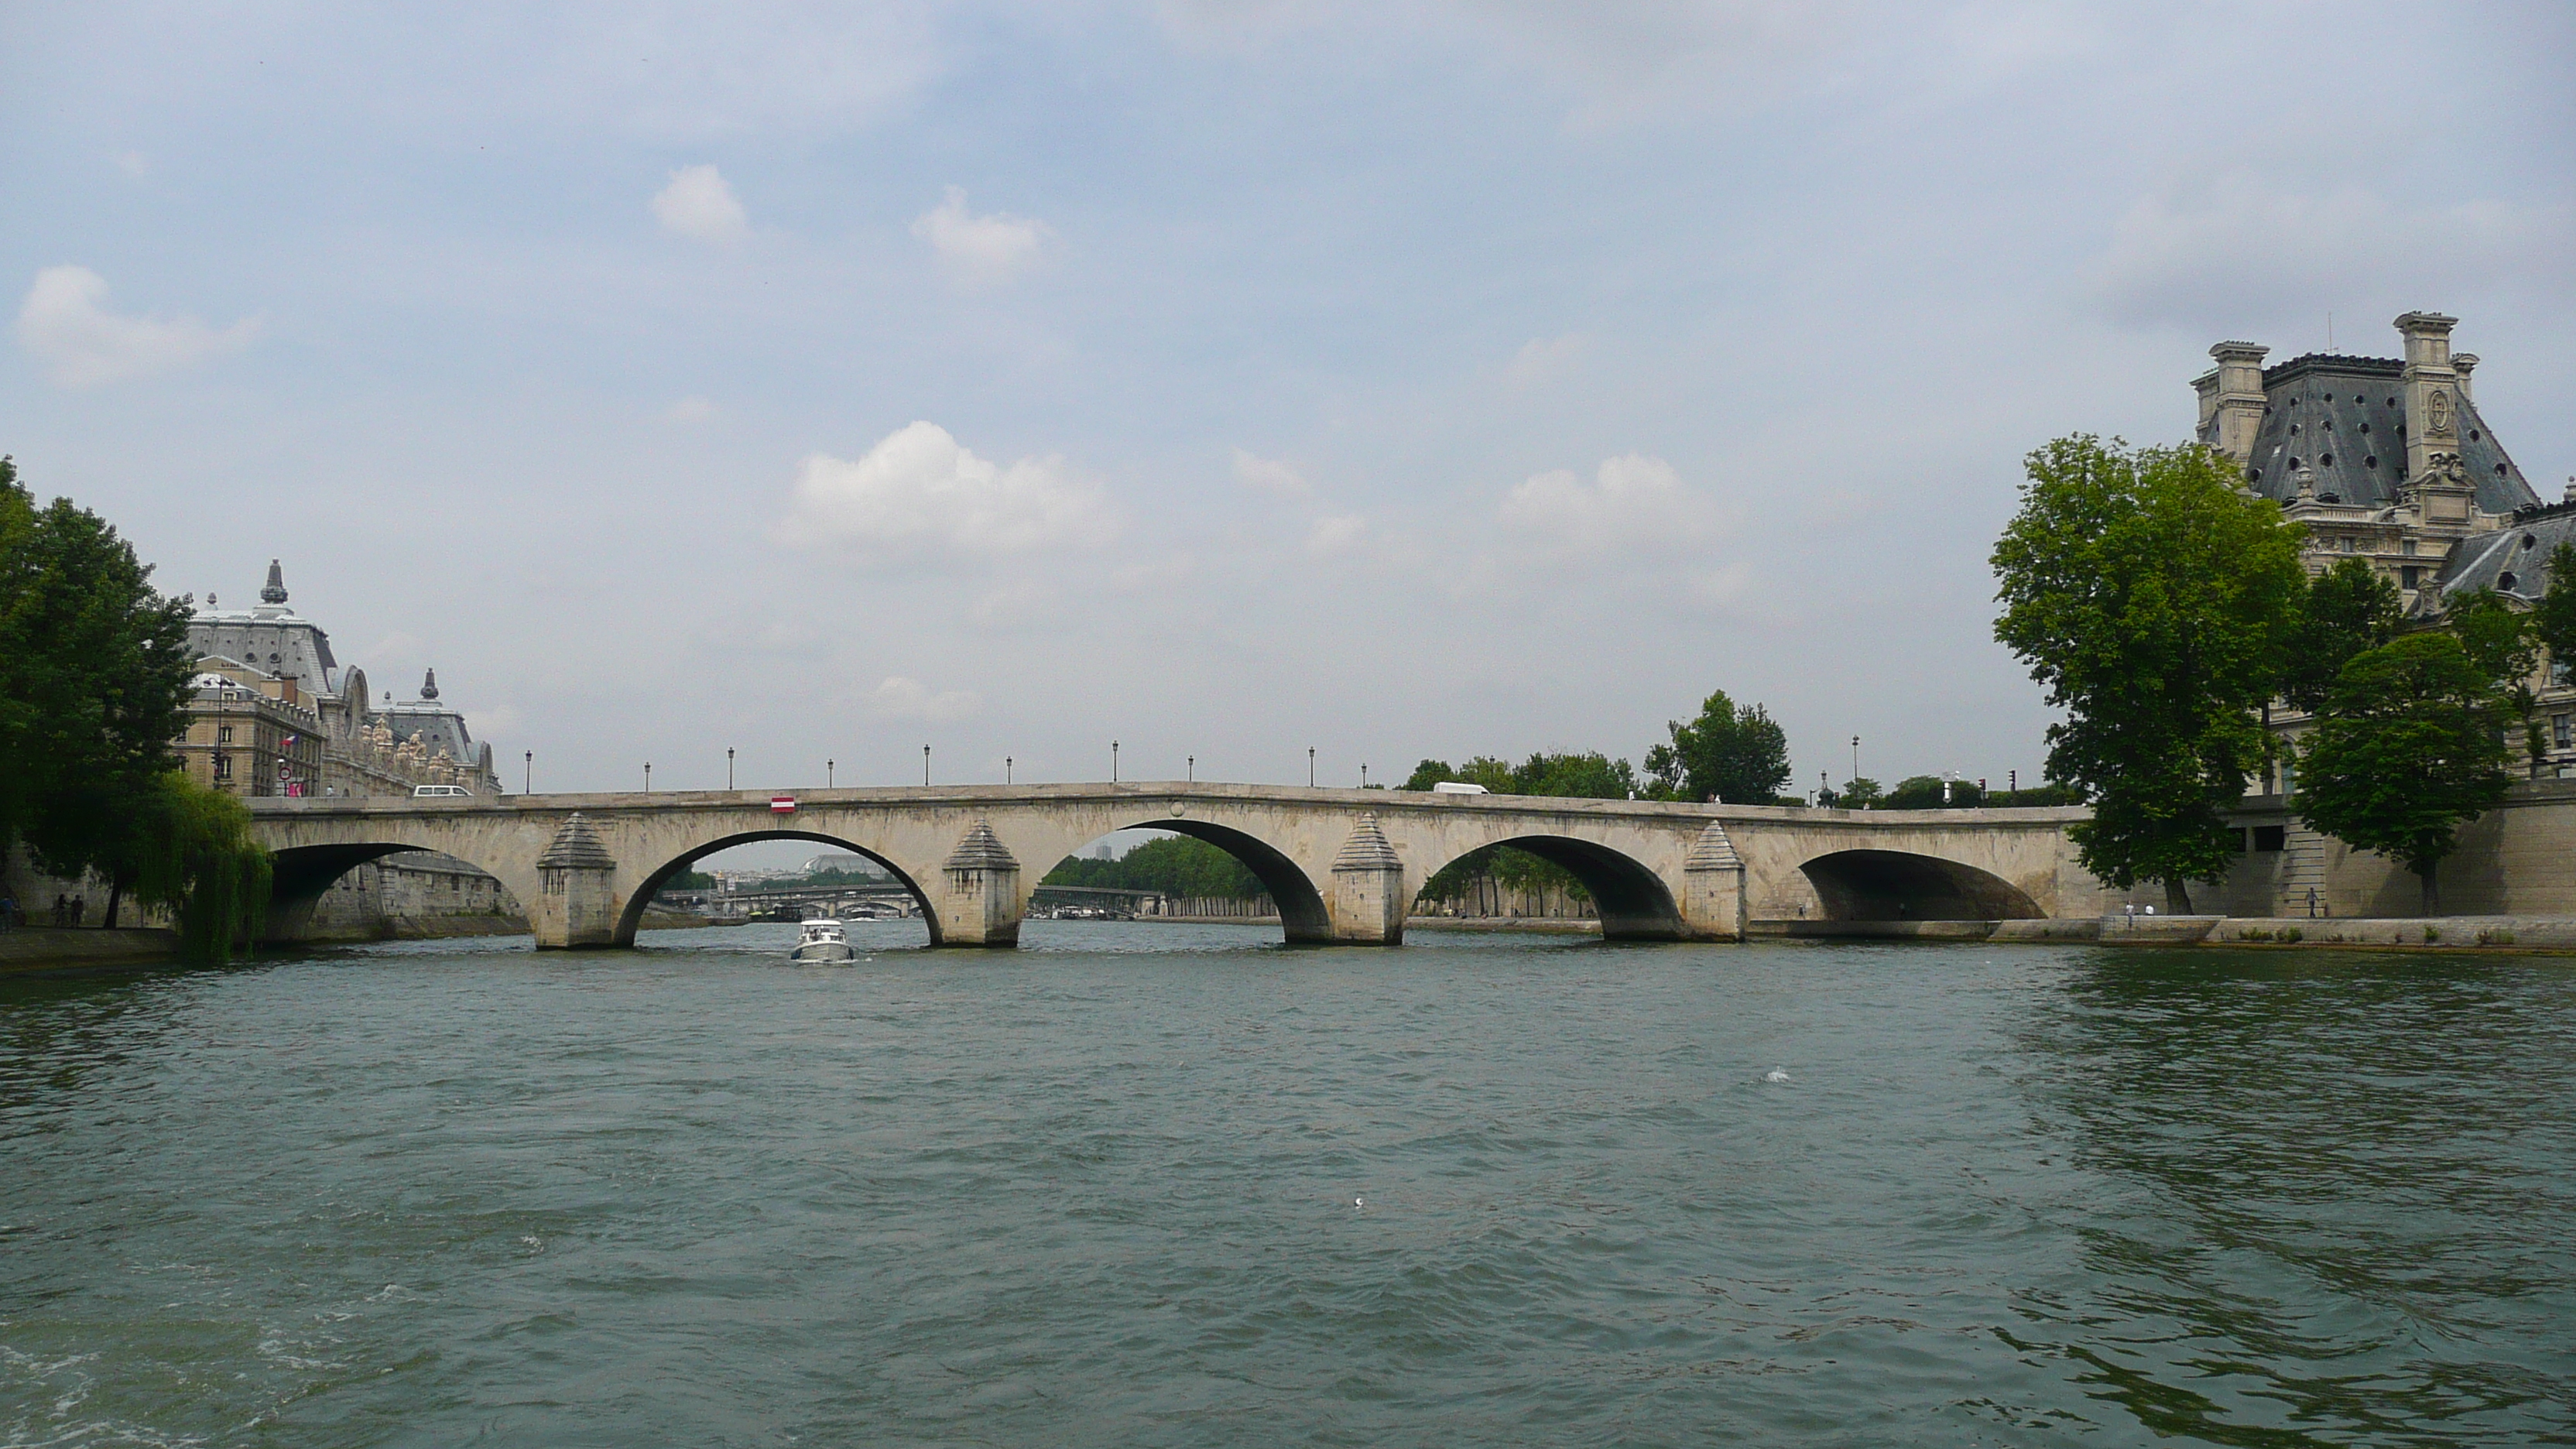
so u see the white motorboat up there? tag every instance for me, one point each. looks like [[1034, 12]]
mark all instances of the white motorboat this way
[[822, 942]]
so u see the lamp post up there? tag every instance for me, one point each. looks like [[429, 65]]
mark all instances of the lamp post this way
[[1113, 762], [728, 769], [925, 764], [1364, 774], [1194, 769], [1310, 767], [1006, 769], [648, 777], [528, 775], [827, 774], [1855, 757]]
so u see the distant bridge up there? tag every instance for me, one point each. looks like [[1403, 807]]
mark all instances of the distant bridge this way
[[1342, 865]]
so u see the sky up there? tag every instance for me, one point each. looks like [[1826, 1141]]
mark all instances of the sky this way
[[1223, 378]]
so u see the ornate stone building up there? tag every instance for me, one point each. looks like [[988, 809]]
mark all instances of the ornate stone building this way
[[365, 751], [2387, 459]]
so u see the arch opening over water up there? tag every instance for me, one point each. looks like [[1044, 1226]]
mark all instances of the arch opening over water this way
[[1303, 916], [1896, 885], [1633, 903], [300, 876], [631, 919]]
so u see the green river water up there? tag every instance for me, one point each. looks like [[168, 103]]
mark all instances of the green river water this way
[[1175, 1185]]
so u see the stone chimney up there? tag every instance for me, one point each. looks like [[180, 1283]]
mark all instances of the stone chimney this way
[[2430, 385], [2233, 400], [2465, 363]]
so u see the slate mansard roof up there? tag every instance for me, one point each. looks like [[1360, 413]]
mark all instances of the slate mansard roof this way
[[2512, 560], [2345, 419]]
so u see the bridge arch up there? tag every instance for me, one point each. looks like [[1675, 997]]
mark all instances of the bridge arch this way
[[631, 918], [1897, 885], [300, 875], [1304, 917], [1634, 902]]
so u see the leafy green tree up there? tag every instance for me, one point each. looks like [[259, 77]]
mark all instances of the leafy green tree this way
[[2408, 748], [1924, 792], [2502, 643], [94, 669], [1858, 793], [2344, 611], [2553, 619], [1177, 865], [189, 850], [2154, 602], [1730, 752]]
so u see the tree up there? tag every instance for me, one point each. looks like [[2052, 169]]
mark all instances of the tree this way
[[1925, 792], [2409, 747], [188, 849], [94, 670], [2344, 611], [1730, 752], [1858, 793], [2504, 647], [2553, 619], [2154, 601], [1177, 865]]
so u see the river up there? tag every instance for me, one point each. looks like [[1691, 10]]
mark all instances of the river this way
[[1143, 1185]]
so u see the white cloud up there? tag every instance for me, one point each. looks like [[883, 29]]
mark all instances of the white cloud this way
[[132, 163], [695, 410], [700, 204], [1539, 361], [1339, 533], [903, 698], [64, 323], [990, 248], [1633, 504], [1270, 474], [921, 491]]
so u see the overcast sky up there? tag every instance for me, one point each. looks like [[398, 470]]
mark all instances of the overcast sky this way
[[1396, 379]]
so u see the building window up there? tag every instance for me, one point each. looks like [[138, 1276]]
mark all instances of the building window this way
[[2271, 837], [2289, 780], [2562, 731], [223, 734], [223, 767], [2410, 548], [2408, 577]]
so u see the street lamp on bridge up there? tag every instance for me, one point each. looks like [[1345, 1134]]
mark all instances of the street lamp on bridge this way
[[728, 769], [528, 775], [648, 777], [827, 774], [1113, 762], [925, 764], [1310, 767]]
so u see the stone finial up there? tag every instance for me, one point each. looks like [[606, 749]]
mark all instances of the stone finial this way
[[1713, 851], [429, 684], [1367, 848], [275, 591], [576, 847], [980, 849]]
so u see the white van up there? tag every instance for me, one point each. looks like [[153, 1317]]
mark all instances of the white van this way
[[1458, 787], [440, 792]]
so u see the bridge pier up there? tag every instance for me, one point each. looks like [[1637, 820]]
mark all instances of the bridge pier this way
[[978, 902], [1713, 887], [1368, 902], [576, 903]]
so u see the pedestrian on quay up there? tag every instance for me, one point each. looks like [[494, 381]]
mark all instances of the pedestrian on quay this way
[[62, 909], [80, 909], [8, 912]]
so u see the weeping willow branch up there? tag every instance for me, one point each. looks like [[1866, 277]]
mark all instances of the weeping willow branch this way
[[194, 857]]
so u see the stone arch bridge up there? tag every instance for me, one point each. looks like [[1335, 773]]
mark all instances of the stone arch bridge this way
[[1343, 865]]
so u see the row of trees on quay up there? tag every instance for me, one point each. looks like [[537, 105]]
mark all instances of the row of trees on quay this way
[[2166, 610], [94, 671]]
